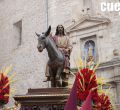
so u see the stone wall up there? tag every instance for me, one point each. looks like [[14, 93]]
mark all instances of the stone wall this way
[[27, 62]]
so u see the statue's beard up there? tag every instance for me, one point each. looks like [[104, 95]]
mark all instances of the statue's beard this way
[[61, 32]]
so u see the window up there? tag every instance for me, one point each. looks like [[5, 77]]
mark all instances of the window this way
[[18, 33], [89, 49]]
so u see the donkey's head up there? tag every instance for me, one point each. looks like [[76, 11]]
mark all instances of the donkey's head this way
[[42, 39]]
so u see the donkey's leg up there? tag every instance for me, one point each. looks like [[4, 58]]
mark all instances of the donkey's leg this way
[[58, 83], [58, 76], [52, 77], [65, 77], [53, 82], [58, 73]]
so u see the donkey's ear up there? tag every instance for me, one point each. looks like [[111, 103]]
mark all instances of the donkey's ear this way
[[37, 34], [48, 31]]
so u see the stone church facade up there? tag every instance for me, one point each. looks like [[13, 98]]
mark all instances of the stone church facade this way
[[84, 23]]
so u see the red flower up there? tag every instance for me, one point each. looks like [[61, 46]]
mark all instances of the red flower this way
[[4, 88], [103, 102], [86, 82]]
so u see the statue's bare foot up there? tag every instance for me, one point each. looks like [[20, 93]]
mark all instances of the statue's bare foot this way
[[48, 79]]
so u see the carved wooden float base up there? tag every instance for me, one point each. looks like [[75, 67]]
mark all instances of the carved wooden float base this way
[[43, 99]]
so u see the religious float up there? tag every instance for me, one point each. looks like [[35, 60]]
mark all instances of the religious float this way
[[85, 93]]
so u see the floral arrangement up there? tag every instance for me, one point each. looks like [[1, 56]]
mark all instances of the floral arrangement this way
[[4, 89], [5, 82], [87, 82], [103, 102]]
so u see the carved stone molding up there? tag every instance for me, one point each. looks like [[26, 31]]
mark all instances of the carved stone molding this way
[[87, 22]]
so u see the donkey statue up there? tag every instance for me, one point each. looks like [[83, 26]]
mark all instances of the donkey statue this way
[[56, 58]]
